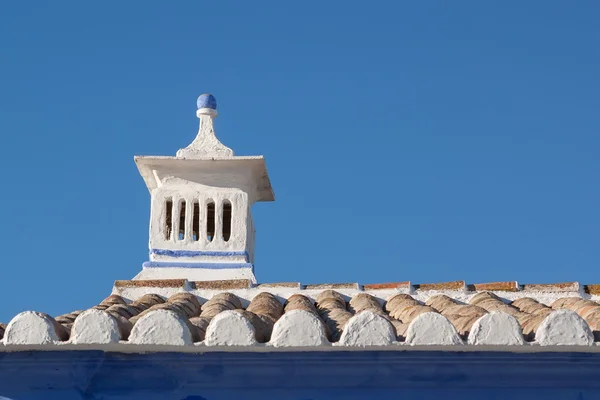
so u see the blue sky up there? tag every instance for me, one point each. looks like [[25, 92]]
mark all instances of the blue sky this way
[[421, 141]]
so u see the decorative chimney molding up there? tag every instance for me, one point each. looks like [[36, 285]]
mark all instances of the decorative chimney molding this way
[[206, 144], [201, 224]]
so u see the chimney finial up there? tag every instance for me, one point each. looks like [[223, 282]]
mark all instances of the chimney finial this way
[[206, 144]]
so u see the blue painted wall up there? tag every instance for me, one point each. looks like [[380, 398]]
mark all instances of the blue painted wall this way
[[362, 375]]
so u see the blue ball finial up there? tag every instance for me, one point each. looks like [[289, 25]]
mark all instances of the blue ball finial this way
[[207, 101]]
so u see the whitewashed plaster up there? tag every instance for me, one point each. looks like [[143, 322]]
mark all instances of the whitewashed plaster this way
[[230, 328], [161, 327], [564, 327], [191, 274], [95, 326], [199, 348], [204, 172], [368, 329], [30, 327], [298, 328], [432, 328], [206, 143], [496, 328]]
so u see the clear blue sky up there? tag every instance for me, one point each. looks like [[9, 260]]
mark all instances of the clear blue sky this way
[[421, 141]]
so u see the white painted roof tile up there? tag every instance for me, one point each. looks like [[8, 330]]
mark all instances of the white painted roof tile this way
[[219, 314]]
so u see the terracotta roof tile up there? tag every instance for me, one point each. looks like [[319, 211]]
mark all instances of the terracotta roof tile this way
[[293, 285], [334, 309], [586, 309], [462, 316], [552, 287], [510, 286], [364, 301], [223, 285], [404, 308], [152, 283], [492, 303], [324, 286], [389, 285], [531, 306], [148, 300], [300, 302], [455, 285], [219, 303], [592, 289]]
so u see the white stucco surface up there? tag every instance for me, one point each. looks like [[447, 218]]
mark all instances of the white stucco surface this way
[[432, 329], [190, 194], [368, 329], [564, 327], [496, 328], [191, 274], [30, 327], [206, 143], [95, 326], [230, 328], [163, 327], [298, 328]]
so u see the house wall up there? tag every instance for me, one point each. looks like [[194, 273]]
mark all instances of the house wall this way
[[422, 375]]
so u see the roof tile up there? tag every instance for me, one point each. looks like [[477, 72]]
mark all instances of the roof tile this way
[[293, 285], [333, 309], [455, 285], [223, 285], [509, 286], [592, 289], [388, 285], [152, 283], [324, 286], [552, 287]]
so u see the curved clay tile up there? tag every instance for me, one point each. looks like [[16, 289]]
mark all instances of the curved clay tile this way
[[109, 301], [62, 332], [364, 301], [520, 309], [332, 309], [265, 303], [490, 302], [187, 302], [188, 306], [67, 320], [404, 308], [263, 311], [198, 327], [219, 303], [147, 301], [531, 306], [300, 302], [263, 325], [330, 299], [120, 310], [462, 316], [397, 302], [184, 304], [587, 309], [31, 327], [124, 310], [530, 324]]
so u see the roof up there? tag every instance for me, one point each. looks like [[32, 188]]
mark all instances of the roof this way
[[217, 314]]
